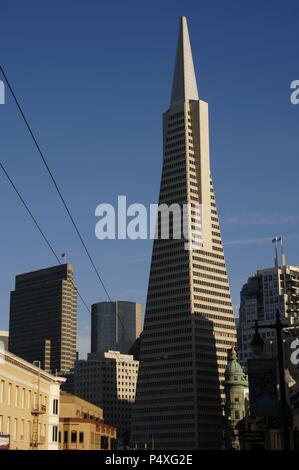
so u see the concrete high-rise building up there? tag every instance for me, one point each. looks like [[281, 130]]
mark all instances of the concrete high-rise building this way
[[265, 292], [29, 404], [43, 318], [189, 324], [109, 381], [115, 326]]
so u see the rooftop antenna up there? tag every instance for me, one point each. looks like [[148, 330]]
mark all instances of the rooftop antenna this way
[[275, 240]]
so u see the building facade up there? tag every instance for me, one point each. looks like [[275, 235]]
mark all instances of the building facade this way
[[265, 292], [115, 326], [29, 404], [189, 323], [43, 318], [108, 380], [82, 426]]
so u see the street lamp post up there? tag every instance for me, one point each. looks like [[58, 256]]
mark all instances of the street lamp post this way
[[257, 347]]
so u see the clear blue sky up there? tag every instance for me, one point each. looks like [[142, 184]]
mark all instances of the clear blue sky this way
[[94, 78]]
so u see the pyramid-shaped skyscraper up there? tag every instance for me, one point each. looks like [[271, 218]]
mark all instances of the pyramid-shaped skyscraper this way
[[189, 323]]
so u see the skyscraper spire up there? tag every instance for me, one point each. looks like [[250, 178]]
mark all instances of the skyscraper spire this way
[[184, 85]]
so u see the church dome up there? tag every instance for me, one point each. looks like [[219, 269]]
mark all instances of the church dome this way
[[234, 372]]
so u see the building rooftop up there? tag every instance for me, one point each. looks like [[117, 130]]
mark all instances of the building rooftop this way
[[8, 357]]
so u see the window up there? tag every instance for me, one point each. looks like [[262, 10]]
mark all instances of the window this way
[[2, 391], [81, 437], [54, 434], [22, 429], [23, 398], [55, 407], [16, 396], [28, 431], [15, 429], [104, 442], [29, 399], [73, 437], [9, 393], [8, 425], [65, 437]]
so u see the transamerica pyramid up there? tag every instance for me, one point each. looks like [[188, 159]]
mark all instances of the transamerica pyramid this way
[[189, 324]]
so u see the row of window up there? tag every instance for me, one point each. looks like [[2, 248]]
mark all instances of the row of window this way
[[18, 429], [73, 437], [20, 397], [175, 130]]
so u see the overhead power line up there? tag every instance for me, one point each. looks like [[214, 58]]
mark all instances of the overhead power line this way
[[54, 182], [37, 224], [29, 211], [60, 194]]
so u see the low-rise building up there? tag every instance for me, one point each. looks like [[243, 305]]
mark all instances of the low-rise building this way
[[82, 427], [29, 404]]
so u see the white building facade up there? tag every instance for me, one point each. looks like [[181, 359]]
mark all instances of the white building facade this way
[[267, 291]]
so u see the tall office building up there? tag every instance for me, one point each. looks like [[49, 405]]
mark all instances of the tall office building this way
[[189, 324], [43, 318], [265, 292], [115, 326]]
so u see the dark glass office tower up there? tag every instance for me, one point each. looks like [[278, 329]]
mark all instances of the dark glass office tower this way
[[115, 326], [43, 318]]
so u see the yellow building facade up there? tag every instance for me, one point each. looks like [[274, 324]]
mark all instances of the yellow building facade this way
[[81, 426], [29, 404]]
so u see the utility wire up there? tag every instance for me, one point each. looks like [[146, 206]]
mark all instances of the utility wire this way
[[54, 181], [36, 224], [47, 241], [60, 194], [28, 210]]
